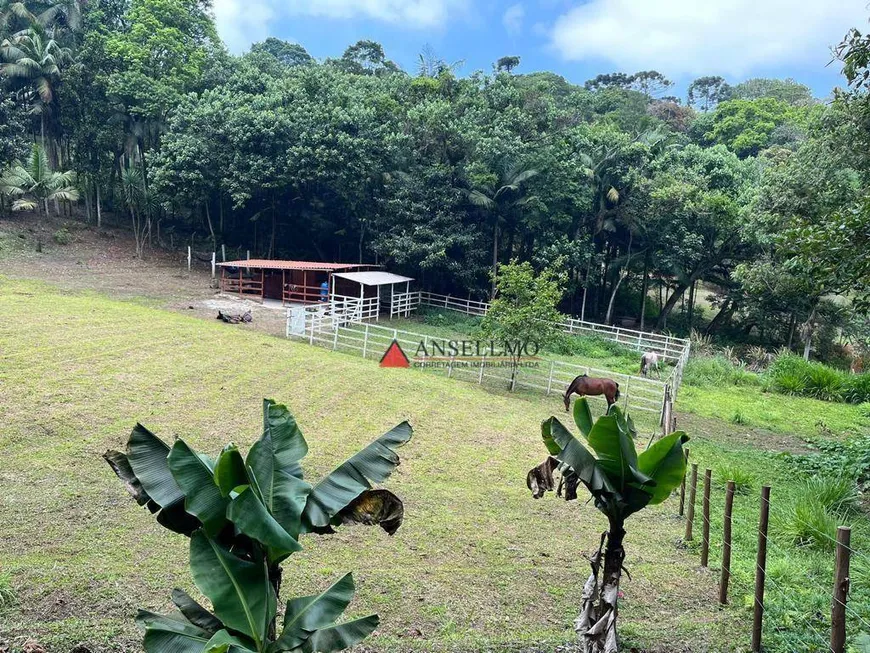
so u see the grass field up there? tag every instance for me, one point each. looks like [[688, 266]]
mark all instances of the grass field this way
[[477, 565]]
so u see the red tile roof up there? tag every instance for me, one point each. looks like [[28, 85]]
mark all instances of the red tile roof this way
[[269, 264]]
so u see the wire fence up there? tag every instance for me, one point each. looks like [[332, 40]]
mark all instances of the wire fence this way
[[800, 596]]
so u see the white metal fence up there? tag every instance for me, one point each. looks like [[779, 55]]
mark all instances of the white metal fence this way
[[670, 348], [544, 376]]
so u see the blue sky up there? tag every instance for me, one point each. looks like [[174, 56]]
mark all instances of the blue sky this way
[[683, 39]]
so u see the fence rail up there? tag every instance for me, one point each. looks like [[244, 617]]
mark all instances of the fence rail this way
[[342, 331]]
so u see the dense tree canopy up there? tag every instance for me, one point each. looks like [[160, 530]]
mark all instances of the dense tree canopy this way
[[716, 213]]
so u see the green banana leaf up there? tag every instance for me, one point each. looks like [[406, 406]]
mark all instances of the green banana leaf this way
[[583, 416], [224, 642], [239, 590], [306, 614], [147, 455], [578, 458], [340, 637], [288, 444], [665, 462], [283, 492], [373, 464], [229, 470], [195, 475], [616, 453], [251, 517], [195, 613], [170, 634]]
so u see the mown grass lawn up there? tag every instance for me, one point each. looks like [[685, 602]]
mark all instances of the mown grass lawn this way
[[478, 565]]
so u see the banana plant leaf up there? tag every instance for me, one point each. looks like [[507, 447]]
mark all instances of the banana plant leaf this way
[[616, 453], [251, 517], [195, 475], [373, 464], [195, 613], [229, 470], [665, 462], [170, 634], [283, 493], [147, 455], [224, 642], [239, 590], [340, 637], [288, 444], [583, 416], [306, 614], [575, 455]]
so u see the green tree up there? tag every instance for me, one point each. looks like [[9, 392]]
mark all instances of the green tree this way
[[525, 310], [783, 90], [246, 515], [707, 92], [621, 482], [288, 54], [746, 126], [33, 184]]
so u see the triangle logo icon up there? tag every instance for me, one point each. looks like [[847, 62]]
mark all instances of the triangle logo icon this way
[[394, 356]]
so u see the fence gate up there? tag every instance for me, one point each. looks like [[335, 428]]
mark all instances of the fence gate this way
[[296, 321]]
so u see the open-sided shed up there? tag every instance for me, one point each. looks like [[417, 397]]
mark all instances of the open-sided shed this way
[[373, 290], [291, 282]]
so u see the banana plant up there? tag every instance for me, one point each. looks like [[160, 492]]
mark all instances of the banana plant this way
[[244, 515], [621, 482]]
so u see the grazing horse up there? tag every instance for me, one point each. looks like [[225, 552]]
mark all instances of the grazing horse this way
[[592, 386], [649, 361]]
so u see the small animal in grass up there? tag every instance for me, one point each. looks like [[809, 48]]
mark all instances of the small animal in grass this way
[[648, 362], [592, 386]]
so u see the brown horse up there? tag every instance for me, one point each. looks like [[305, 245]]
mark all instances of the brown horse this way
[[592, 386]]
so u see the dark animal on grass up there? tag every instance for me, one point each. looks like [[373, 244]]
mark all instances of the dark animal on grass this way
[[648, 362], [592, 386], [234, 319]]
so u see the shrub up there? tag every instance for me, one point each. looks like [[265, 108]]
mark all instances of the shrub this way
[[824, 383], [790, 383], [718, 371], [738, 418], [809, 523], [743, 480], [856, 390], [62, 236], [864, 409], [850, 459], [838, 494]]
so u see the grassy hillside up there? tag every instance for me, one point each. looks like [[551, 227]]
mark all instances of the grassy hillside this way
[[477, 565]]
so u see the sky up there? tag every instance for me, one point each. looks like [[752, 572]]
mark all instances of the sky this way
[[683, 39]]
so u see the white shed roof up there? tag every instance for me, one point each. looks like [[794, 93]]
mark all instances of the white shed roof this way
[[372, 278]]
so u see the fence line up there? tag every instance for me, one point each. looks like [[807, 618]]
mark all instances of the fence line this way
[[343, 330], [841, 613]]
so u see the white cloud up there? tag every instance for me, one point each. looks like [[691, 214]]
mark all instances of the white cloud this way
[[513, 18], [416, 14], [242, 22], [695, 37]]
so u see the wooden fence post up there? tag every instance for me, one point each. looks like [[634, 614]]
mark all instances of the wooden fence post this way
[[683, 488], [705, 537], [550, 377], [366, 340], [841, 590], [480, 376], [760, 569], [726, 544], [335, 337], [690, 516], [213, 264], [450, 368], [188, 258]]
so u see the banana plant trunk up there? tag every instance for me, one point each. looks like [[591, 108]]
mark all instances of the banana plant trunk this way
[[596, 624]]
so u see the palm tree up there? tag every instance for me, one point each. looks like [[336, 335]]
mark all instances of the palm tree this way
[[500, 199], [63, 13], [32, 184], [14, 9], [32, 62]]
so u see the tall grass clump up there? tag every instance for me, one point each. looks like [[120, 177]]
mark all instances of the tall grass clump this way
[[856, 389], [790, 374], [809, 524], [838, 494], [743, 480], [717, 371], [592, 347], [823, 382]]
